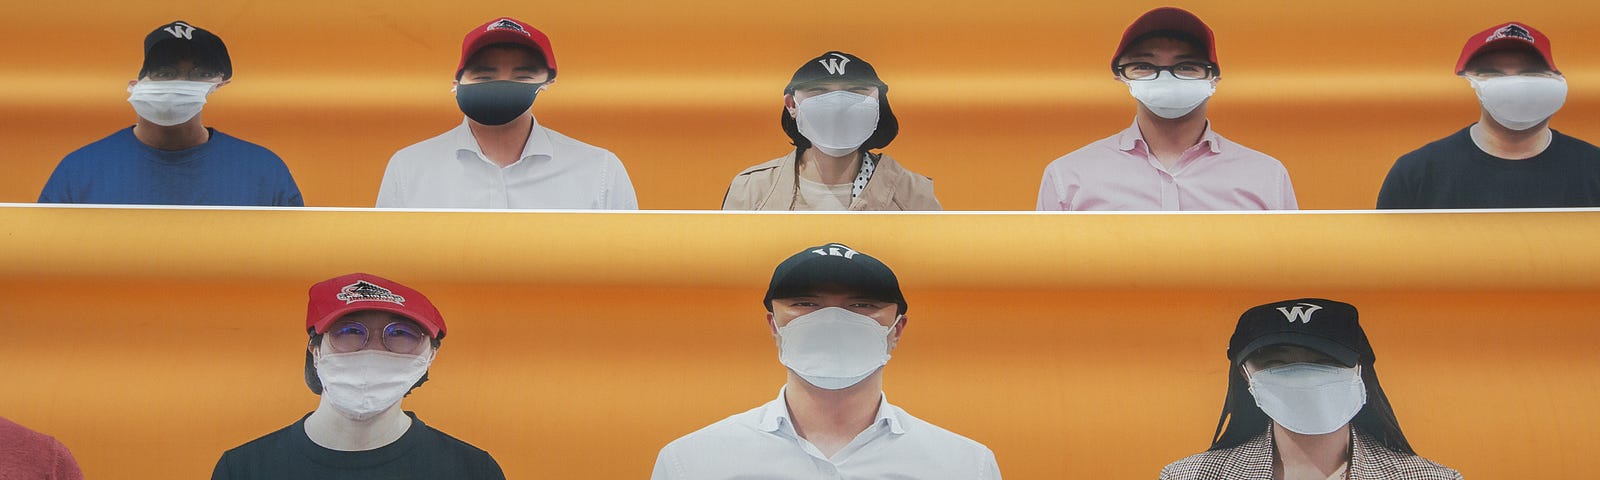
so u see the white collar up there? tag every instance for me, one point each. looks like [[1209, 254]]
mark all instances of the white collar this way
[[538, 144], [775, 415]]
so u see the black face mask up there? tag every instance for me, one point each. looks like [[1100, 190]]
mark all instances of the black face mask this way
[[497, 102]]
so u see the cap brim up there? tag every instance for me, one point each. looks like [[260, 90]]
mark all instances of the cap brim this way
[[802, 279], [322, 323], [1338, 352], [505, 36], [1508, 44]]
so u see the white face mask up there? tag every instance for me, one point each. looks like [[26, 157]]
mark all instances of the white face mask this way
[[365, 383], [1171, 97], [1308, 398], [833, 348], [168, 103], [837, 122], [1519, 102]]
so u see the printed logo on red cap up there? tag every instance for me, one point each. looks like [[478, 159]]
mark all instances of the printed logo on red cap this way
[[1511, 31], [362, 291], [508, 24]]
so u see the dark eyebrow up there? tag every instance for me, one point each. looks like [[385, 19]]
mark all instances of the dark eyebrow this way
[[481, 68], [529, 68]]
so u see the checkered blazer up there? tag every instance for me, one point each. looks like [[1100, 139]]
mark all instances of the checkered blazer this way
[[1252, 460]]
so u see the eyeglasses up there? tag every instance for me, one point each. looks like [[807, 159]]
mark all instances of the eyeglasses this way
[[1182, 70], [398, 337], [196, 74]]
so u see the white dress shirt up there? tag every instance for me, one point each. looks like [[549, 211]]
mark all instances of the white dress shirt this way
[[762, 444], [554, 171]]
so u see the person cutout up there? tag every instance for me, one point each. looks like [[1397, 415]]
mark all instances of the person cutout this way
[[1170, 158], [500, 156], [169, 156], [1510, 158], [372, 341], [835, 313], [835, 110], [1304, 403]]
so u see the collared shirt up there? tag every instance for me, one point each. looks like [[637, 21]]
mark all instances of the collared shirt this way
[[1120, 173], [762, 443], [554, 171]]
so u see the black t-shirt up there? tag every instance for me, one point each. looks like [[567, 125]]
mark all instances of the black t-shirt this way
[[422, 454], [1455, 173]]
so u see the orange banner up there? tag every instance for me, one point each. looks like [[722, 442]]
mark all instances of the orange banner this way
[[687, 93], [1074, 346]]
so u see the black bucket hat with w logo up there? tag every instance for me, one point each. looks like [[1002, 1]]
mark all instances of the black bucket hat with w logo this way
[[1330, 327]]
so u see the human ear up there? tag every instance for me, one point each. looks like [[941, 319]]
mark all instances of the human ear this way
[[895, 331]]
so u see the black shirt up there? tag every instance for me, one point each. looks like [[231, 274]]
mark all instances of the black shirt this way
[[1455, 173], [421, 453]]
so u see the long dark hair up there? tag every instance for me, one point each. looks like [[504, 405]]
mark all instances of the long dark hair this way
[[1242, 420]]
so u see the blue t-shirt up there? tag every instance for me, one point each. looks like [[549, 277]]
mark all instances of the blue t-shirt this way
[[119, 169]]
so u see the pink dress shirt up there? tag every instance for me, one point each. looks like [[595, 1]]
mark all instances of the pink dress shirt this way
[[1119, 173]]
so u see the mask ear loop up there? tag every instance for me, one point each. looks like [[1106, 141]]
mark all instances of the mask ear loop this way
[[896, 341]]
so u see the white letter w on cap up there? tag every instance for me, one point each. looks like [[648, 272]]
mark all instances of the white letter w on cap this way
[[181, 30], [834, 65], [1297, 313]]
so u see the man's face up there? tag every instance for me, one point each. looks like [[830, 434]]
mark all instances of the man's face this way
[[376, 330], [1508, 62], [886, 313], [818, 88], [517, 64], [1280, 355]]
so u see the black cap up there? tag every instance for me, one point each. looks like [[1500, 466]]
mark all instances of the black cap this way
[[205, 49], [837, 65], [1325, 326], [834, 264]]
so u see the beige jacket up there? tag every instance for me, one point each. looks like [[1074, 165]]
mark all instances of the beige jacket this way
[[774, 186]]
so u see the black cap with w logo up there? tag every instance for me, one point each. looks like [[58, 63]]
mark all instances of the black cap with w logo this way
[[177, 41], [1326, 326], [835, 66], [841, 67]]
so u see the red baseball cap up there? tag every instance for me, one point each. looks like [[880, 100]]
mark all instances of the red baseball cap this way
[[1506, 36], [1167, 18], [506, 30], [356, 292]]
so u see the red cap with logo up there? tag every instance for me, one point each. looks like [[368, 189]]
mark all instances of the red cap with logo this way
[[356, 292], [1506, 36], [1167, 18], [507, 30]]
